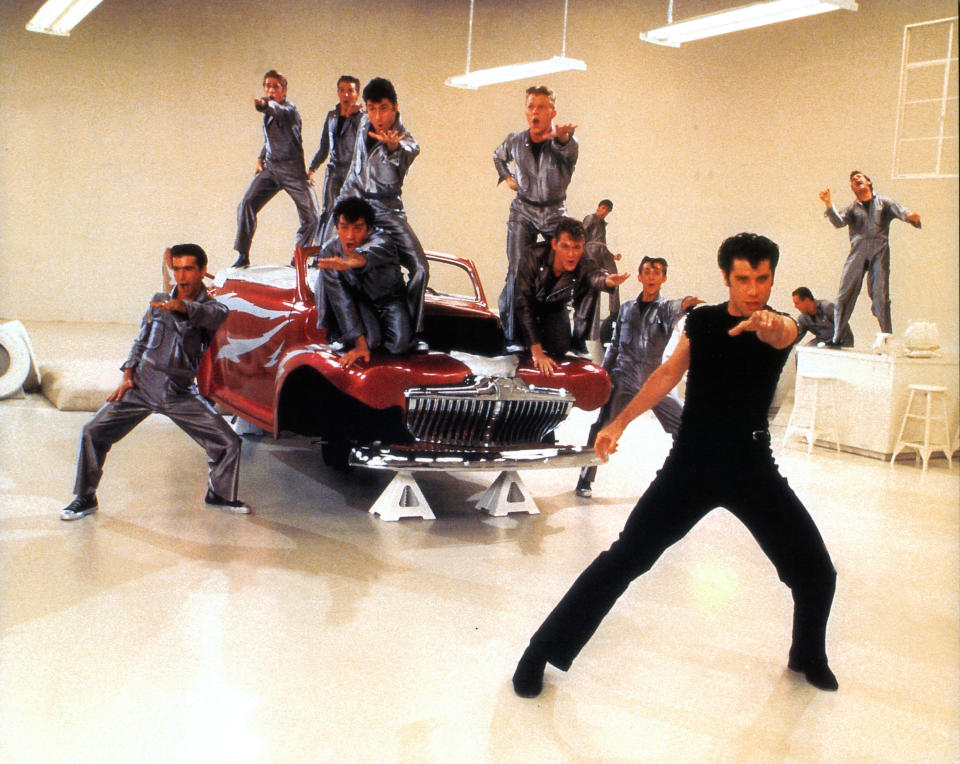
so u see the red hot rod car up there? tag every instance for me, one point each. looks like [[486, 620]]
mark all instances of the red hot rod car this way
[[465, 400]]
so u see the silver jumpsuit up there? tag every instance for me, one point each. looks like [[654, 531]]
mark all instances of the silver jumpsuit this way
[[639, 339], [165, 358], [820, 325], [376, 174], [369, 301], [282, 157], [337, 142], [869, 226], [537, 208]]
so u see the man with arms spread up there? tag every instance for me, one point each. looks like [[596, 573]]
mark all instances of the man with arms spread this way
[[868, 219], [361, 283], [543, 158], [384, 151], [734, 352], [279, 166], [550, 277], [643, 329], [158, 377], [595, 225], [816, 317], [337, 141]]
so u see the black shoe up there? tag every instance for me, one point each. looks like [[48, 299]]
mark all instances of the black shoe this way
[[817, 672], [528, 678], [221, 503], [833, 345], [584, 489], [243, 261], [79, 507]]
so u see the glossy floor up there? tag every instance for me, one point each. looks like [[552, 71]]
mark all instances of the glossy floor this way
[[158, 630]]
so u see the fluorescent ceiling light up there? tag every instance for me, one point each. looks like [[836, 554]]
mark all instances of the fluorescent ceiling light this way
[[480, 77], [744, 17], [60, 16]]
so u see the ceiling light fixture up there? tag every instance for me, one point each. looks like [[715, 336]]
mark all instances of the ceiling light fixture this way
[[736, 19], [480, 77], [60, 16]]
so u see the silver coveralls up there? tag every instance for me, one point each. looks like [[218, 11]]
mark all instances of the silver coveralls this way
[[369, 301], [820, 325], [870, 252], [338, 140], [165, 358], [376, 174], [282, 157], [635, 352], [596, 246], [537, 208]]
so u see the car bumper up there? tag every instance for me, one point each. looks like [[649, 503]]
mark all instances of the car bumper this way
[[455, 460]]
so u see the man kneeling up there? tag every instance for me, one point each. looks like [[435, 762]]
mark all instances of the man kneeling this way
[[361, 296]]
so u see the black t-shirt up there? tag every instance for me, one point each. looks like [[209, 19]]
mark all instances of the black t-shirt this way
[[730, 381]]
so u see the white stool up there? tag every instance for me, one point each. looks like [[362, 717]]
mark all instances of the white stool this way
[[814, 402], [926, 446]]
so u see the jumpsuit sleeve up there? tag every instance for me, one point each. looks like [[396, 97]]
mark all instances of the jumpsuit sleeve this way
[[501, 160], [207, 314], [140, 343], [892, 209], [324, 149], [613, 351]]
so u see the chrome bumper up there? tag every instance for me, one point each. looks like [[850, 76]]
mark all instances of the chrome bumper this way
[[454, 460]]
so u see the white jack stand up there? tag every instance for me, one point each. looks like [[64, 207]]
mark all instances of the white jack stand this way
[[402, 498], [507, 494]]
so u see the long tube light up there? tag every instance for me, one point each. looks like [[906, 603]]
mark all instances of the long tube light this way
[[744, 17], [480, 77], [60, 16]]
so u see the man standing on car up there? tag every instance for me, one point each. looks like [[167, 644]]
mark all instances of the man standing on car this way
[[361, 283], [279, 166], [734, 352], [543, 158], [640, 335], [159, 377], [384, 151], [549, 278], [337, 141]]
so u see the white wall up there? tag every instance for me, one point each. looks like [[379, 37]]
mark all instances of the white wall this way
[[138, 132]]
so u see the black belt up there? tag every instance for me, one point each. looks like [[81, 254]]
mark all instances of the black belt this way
[[380, 197], [548, 203]]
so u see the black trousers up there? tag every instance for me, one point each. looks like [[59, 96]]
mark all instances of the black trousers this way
[[743, 478]]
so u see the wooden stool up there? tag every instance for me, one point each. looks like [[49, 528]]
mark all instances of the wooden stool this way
[[818, 408], [926, 446]]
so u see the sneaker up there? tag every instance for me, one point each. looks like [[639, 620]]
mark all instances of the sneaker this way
[[243, 261], [213, 500], [513, 347], [584, 489], [79, 507]]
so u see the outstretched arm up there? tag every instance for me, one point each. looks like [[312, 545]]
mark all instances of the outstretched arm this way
[[775, 329]]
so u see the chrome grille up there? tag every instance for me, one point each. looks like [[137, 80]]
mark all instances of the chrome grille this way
[[493, 411]]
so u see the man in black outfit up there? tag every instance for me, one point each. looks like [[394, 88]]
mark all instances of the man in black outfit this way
[[734, 353]]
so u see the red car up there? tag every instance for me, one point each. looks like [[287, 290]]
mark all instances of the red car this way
[[464, 400]]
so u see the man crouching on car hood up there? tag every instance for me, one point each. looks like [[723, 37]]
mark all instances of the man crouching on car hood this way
[[361, 296]]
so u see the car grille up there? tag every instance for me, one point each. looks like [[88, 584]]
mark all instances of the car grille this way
[[493, 411]]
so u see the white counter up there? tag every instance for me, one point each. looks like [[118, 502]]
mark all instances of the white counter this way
[[872, 392]]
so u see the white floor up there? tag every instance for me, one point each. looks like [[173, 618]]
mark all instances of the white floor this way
[[160, 631]]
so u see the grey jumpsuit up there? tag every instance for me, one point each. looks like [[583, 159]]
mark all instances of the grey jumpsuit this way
[[165, 358], [338, 141], [537, 208], [639, 339], [820, 325], [376, 174], [869, 252], [282, 157], [369, 301]]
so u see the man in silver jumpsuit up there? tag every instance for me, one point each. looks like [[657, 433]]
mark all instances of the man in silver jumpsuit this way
[[549, 278], [337, 142], [543, 158], [158, 377], [817, 318], [361, 297], [279, 166], [384, 151], [643, 329], [595, 224], [868, 219]]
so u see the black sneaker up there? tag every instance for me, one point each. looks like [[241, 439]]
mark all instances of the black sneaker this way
[[79, 507], [584, 489], [243, 261], [219, 502]]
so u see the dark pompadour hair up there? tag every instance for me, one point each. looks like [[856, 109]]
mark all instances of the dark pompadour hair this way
[[803, 293], [661, 261], [187, 250], [277, 76], [348, 78], [572, 227], [379, 88], [352, 209], [751, 247]]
